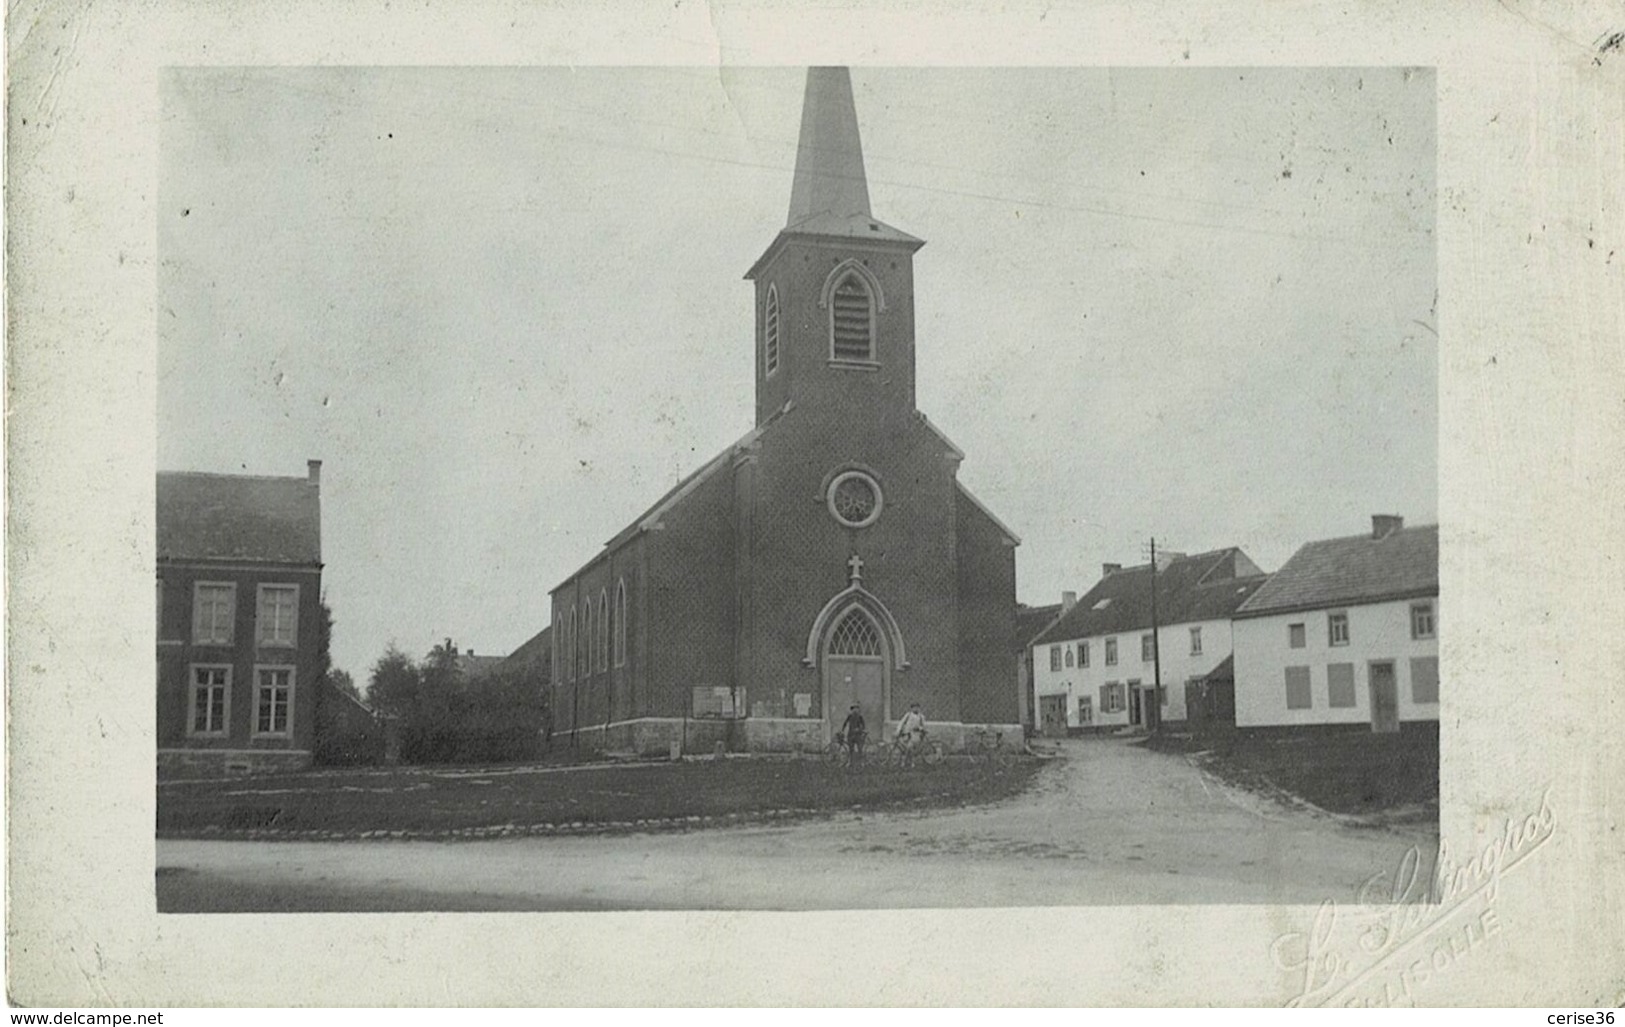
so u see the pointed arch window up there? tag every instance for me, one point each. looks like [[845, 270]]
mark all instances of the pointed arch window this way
[[620, 623], [553, 655], [570, 648], [855, 635], [770, 331], [584, 643], [603, 630], [852, 320]]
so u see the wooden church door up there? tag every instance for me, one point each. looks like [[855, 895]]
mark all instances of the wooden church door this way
[[855, 672]]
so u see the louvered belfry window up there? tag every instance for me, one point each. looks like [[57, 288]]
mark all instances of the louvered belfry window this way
[[852, 321], [770, 330], [855, 635]]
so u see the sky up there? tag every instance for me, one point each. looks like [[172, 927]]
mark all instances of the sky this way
[[506, 308]]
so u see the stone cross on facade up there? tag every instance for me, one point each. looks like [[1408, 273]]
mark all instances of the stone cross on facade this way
[[856, 566]]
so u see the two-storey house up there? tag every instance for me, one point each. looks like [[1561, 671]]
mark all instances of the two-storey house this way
[[1345, 633], [239, 594], [1097, 665]]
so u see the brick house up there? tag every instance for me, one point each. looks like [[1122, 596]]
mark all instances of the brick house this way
[[239, 593], [829, 557]]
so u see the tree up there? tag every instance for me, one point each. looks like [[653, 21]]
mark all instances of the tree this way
[[324, 639], [395, 684], [341, 680]]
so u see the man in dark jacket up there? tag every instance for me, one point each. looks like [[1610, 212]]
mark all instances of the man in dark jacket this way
[[855, 733]]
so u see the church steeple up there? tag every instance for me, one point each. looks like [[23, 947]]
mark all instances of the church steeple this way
[[829, 178], [835, 290]]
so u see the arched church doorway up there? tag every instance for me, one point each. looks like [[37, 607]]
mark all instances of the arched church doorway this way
[[856, 670]]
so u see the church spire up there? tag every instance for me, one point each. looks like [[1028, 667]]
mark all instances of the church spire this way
[[829, 159]]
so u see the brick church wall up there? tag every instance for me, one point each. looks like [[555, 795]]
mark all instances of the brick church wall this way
[[802, 551], [691, 597], [987, 581]]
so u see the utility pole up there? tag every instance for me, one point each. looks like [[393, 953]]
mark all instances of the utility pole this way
[[1154, 715]]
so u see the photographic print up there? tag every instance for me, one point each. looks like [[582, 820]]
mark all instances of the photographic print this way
[[796, 488], [483, 465]]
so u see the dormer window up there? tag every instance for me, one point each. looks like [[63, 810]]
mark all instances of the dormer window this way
[[770, 331], [852, 321]]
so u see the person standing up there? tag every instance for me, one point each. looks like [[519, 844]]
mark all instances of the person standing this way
[[911, 730], [855, 732]]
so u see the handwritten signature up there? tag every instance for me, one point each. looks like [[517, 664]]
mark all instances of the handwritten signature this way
[[1435, 920]]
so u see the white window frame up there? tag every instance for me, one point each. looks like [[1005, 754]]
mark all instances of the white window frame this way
[[254, 714], [1054, 658], [1425, 608], [1148, 647], [1086, 710], [231, 612], [1083, 654], [259, 615], [191, 701], [1111, 652], [1196, 641], [1302, 639], [1332, 620]]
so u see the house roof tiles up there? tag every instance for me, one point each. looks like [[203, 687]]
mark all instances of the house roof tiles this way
[[1353, 570], [238, 517], [1208, 586]]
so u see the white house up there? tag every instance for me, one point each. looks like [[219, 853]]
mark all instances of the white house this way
[[1094, 666], [1345, 633]]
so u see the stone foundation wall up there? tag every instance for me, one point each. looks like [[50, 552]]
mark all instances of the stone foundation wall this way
[[653, 737], [223, 762]]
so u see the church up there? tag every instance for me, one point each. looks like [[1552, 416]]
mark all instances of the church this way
[[829, 557]]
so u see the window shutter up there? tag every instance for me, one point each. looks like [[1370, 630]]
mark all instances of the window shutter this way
[[1424, 679], [770, 330], [1297, 689], [851, 322], [1105, 699]]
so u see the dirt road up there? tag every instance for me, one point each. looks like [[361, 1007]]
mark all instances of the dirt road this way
[[1106, 823]]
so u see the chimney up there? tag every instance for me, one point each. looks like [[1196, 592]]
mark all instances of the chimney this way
[[1383, 525], [1068, 601], [315, 468], [1108, 569]]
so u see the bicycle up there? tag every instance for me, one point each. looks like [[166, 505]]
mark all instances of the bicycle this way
[[902, 752], [836, 752], [990, 749]]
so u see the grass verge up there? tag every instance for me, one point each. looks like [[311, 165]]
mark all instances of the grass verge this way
[[1354, 773], [417, 802]]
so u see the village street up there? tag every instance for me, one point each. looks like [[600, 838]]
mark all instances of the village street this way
[[1105, 823]]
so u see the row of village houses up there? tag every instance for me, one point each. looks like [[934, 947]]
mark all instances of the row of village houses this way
[[1346, 632]]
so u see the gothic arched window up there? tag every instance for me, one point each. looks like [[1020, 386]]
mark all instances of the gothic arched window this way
[[855, 635], [570, 648], [770, 331], [852, 320], [603, 630], [584, 643], [620, 623]]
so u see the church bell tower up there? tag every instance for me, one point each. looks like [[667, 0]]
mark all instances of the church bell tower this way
[[835, 290]]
